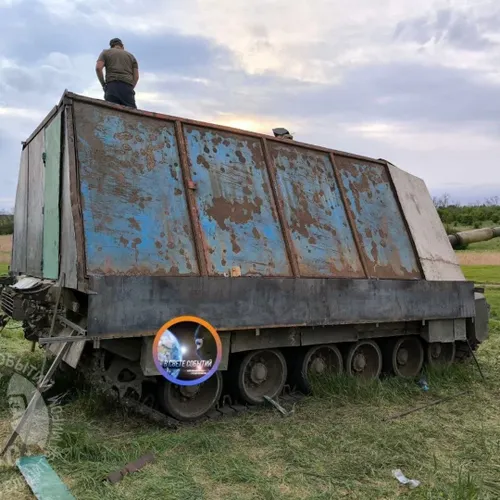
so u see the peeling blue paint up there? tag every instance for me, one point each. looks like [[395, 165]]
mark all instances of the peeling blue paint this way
[[134, 205], [315, 213], [234, 199], [379, 223]]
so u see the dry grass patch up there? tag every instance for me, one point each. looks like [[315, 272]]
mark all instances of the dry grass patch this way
[[479, 258]]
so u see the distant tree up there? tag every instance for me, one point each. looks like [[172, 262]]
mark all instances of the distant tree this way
[[475, 215]]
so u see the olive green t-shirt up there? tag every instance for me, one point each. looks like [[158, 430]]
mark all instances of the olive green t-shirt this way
[[119, 65]]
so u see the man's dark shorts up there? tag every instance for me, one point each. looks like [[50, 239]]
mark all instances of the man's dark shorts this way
[[120, 93]]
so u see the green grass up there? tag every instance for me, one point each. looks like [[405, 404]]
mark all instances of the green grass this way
[[335, 445], [482, 274], [492, 245], [485, 246]]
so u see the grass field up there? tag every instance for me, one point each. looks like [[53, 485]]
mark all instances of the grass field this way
[[335, 445]]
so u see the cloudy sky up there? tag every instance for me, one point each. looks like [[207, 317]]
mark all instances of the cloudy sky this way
[[417, 83]]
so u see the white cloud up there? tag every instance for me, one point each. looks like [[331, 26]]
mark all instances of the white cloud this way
[[312, 41], [313, 48]]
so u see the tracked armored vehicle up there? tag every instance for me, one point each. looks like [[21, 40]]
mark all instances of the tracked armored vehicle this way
[[305, 259]]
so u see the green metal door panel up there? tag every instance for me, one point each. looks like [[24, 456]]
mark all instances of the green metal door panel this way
[[51, 199]]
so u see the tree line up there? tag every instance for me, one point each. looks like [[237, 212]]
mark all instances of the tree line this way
[[6, 221], [456, 216]]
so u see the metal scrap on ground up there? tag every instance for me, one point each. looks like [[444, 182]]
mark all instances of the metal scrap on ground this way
[[42, 479], [117, 476], [279, 407]]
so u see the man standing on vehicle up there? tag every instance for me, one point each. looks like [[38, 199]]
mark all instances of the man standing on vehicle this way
[[122, 74]]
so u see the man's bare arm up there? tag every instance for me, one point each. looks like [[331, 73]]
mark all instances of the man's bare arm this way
[[136, 77], [99, 66]]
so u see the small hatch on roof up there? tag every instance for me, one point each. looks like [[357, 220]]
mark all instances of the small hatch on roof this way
[[282, 133]]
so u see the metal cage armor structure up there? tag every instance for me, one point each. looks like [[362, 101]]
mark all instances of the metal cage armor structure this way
[[304, 258]]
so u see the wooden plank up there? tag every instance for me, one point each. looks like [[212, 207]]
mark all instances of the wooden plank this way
[[19, 246], [36, 183], [42, 479], [51, 199]]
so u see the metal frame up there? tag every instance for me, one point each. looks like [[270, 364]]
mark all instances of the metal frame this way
[[278, 203], [348, 213], [76, 202], [68, 97], [200, 243]]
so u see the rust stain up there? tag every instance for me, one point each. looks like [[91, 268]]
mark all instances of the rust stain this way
[[234, 244], [123, 136], [302, 218], [134, 224], [241, 157], [123, 241], [177, 192], [256, 233], [135, 242], [202, 161], [158, 244], [237, 212]]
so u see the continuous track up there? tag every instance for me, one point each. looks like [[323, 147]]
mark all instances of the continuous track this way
[[227, 407]]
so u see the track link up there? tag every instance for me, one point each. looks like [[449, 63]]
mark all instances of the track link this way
[[224, 409]]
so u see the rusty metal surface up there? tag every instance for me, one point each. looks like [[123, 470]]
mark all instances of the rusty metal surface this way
[[385, 241], [36, 185], [75, 197], [315, 213], [197, 123], [133, 198], [199, 240], [235, 204], [69, 255], [19, 245], [279, 201]]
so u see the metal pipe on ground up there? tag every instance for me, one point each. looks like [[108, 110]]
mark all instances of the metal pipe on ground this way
[[473, 236]]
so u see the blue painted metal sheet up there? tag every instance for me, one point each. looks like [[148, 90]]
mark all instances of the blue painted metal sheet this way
[[42, 479], [315, 213], [380, 226], [51, 198], [133, 198], [234, 198]]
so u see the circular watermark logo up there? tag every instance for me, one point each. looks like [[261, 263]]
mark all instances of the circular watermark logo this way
[[39, 433], [187, 350]]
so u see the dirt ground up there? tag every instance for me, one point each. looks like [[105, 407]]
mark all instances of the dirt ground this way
[[479, 258], [5, 248]]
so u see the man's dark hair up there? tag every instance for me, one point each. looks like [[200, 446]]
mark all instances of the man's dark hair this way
[[114, 42]]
